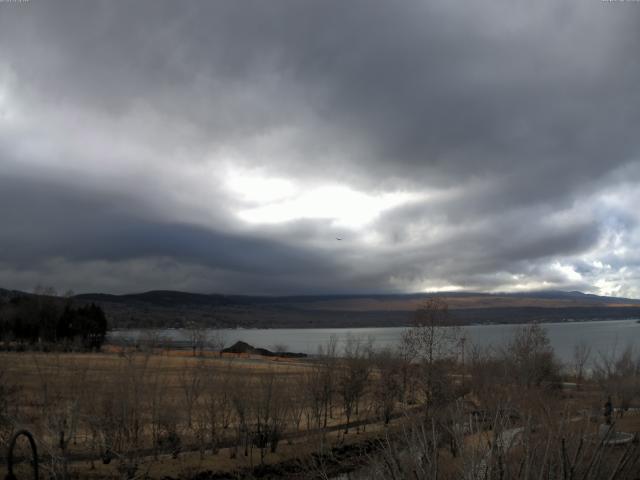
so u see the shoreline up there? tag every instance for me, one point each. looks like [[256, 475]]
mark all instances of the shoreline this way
[[368, 327]]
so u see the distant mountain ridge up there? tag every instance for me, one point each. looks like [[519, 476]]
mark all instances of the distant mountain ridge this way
[[169, 308], [172, 308], [174, 298]]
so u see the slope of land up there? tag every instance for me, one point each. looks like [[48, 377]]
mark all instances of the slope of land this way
[[176, 309]]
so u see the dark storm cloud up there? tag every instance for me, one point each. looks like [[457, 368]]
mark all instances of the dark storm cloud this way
[[518, 121], [86, 227], [427, 88]]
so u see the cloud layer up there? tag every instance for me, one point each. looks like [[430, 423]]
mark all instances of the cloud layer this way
[[226, 146]]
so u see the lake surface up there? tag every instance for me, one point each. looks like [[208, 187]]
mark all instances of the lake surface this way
[[603, 336]]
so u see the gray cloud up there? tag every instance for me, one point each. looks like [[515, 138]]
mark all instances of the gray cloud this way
[[518, 122]]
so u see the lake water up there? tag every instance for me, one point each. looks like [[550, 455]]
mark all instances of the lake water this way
[[603, 336]]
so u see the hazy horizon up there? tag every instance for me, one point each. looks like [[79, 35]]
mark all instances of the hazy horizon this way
[[439, 293]]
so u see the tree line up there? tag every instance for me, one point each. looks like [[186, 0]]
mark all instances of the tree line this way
[[45, 319]]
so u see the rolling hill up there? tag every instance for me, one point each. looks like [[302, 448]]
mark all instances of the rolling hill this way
[[165, 308]]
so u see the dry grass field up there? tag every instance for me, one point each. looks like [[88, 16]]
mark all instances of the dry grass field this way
[[169, 414]]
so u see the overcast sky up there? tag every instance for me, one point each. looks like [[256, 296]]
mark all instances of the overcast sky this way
[[225, 146]]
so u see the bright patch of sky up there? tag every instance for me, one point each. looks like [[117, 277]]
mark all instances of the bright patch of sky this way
[[280, 200]]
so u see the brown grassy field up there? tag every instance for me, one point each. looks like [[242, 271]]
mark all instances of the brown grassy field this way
[[82, 395], [169, 414]]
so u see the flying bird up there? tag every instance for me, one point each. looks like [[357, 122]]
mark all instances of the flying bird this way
[[337, 238]]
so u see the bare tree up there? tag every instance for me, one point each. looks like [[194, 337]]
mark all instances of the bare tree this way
[[298, 401], [325, 377], [218, 403], [432, 339], [406, 354], [268, 412], [157, 406], [198, 337], [315, 389], [386, 386], [581, 355], [62, 393], [353, 376], [9, 391], [488, 375], [241, 399], [122, 413], [217, 341], [150, 340], [619, 375], [530, 357], [191, 381]]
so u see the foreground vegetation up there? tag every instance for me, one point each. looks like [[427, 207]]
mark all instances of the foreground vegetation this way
[[435, 407]]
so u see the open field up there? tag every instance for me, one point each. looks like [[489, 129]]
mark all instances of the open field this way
[[126, 413], [172, 409]]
